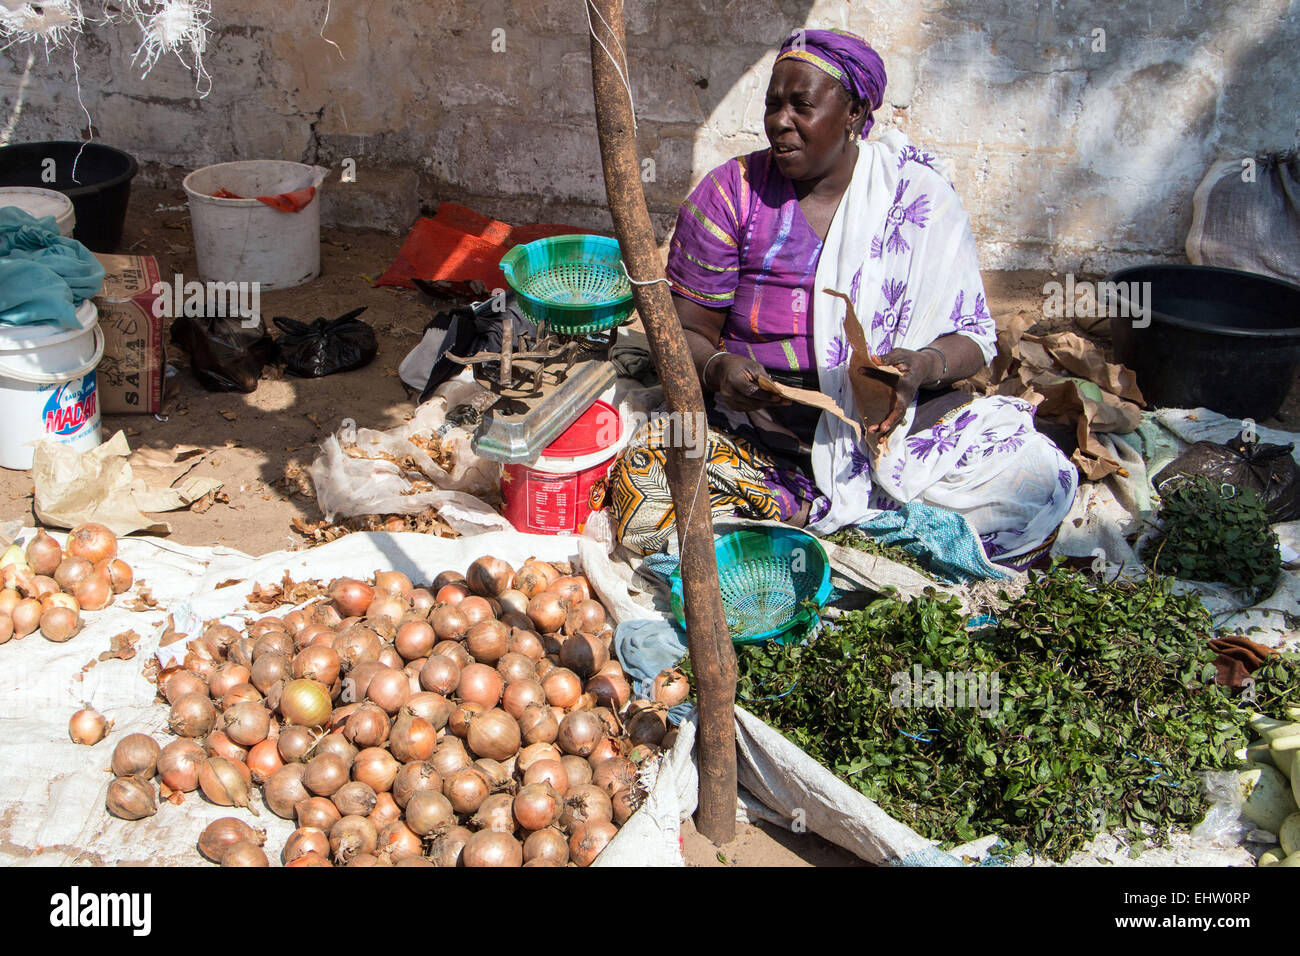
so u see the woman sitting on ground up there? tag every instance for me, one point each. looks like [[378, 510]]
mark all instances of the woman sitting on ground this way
[[757, 245]]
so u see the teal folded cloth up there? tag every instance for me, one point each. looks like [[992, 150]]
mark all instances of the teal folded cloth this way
[[942, 539], [646, 647], [43, 276]]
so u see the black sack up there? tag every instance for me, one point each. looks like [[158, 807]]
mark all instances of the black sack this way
[[226, 354], [469, 330], [1268, 469], [327, 345]]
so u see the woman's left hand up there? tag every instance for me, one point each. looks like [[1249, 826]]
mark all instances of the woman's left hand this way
[[918, 368]]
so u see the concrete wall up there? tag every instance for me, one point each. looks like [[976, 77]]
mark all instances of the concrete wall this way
[[1069, 152]]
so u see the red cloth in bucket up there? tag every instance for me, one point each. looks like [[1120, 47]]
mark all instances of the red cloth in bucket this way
[[461, 245], [285, 202]]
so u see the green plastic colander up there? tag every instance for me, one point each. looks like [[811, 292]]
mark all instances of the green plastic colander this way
[[774, 583], [574, 284]]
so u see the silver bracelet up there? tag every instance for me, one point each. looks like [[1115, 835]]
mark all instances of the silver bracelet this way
[[705, 371], [943, 358]]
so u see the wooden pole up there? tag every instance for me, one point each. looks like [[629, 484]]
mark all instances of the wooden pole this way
[[713, 658]]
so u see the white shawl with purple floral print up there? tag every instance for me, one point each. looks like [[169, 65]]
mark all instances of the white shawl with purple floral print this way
[[901, 247]]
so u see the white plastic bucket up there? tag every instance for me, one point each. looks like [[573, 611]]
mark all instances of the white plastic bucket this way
[[243, 240], [47, 387], [41, 203]]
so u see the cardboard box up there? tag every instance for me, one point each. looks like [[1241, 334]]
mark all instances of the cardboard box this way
[[134, 365]]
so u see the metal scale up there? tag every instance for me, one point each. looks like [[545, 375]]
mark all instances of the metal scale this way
[[577, 293]]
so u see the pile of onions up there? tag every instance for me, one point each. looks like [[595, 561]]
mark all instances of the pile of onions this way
[[479, 720], [44, 588]]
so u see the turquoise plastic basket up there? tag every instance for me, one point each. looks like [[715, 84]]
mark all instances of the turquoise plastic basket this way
[[768, 576], [574, 284]]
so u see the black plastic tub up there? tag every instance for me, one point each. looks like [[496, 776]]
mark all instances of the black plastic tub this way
[[1218, 338], [99, 194]]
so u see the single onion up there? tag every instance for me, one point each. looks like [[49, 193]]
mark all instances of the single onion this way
[[305, 702], [422, 601], [273, 642], [614, 774], [44, 554], [245, 854], [452, 593], [647, 726], [609, 690], [514, 601], [225, 677], [94, 592], [268, 669], [367, 726], [385, 812], [398, 842], [534, 577], [488, 641], [283, 791], [546, 611], [537, 806], [393, 582], [412, 738], [317, 813], [310, 859], [44, 587], [91, 541], [131, 798], [585, 803], [589, 839], [538, 725], [178, 765], [192, 716], [226, 783], [181, 682], [217, 744], [547, 844], [571, 590], [449, 845], [480, 684], [466, 790], [577, 770], [386, 608], [88, 727], [220, 835], [240, 694], [428, 812], [119, 574], [376, 767], [414, 777], [263, 760], [562, 686], [317, 663], [357, 645], [494, 734], [514, 666], [440, 674], [548, 771], [449, 756], [476, 610], [490, 576], [447, 577], [414, 639], [453, 650], [6, 627], [294, 742], [304, 842], [521, 695], [535, 752], [335, 743], [389, 689], [495, 813], [351, 597], [670, 687], [580, 732], [326, 773], [136, 755], [527, 643], [352, 836], [432, 707], [247, 724], [355, 799], [583, 654], [585, 617], [26, 617], [59, 624]]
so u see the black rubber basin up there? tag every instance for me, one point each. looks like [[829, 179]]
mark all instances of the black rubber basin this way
[[1218, 338], [99, 194]]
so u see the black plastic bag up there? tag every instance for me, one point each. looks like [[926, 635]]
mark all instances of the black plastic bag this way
[[1268, 469], [226, 356], [327, 345]]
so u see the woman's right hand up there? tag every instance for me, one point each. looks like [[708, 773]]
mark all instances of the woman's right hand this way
[[735, 379]]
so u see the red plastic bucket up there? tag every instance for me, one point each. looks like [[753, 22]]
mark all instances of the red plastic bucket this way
[[558, 492]]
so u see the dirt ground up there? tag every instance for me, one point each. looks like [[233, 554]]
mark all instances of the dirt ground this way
[[256, 439]]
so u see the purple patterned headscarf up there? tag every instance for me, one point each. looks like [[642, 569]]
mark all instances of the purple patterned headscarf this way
[[846, 57]]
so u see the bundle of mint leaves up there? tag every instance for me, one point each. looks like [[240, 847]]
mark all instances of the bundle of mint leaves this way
[[1088, 707]]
